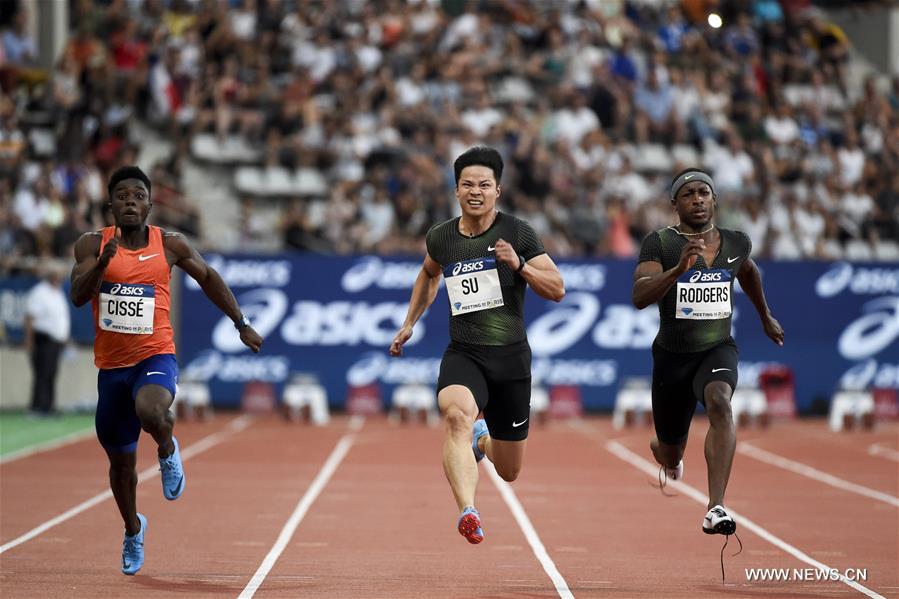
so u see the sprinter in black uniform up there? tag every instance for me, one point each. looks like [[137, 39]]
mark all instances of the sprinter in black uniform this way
[[487, 258], [689, 271]]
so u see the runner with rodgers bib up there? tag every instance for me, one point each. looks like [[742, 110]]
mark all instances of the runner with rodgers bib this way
[[689, 271]]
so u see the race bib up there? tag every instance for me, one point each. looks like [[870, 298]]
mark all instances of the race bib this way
[[126, 308], [704, 294], [473, 285]]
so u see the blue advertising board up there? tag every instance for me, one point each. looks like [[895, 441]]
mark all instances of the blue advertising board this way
[[13, 298], [334, 317]]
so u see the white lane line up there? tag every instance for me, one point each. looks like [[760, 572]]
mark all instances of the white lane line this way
[[623, 453], [312, 493], [47, 446], [508, 495], [807, 471], [236, 425], [884, 452]]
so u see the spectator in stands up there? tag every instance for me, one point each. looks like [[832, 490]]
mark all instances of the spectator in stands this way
[[344, 91]]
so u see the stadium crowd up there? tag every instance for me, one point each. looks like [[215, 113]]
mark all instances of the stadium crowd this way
[[357, 110]]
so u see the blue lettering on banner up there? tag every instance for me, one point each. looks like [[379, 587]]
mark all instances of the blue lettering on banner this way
[[841, 322]]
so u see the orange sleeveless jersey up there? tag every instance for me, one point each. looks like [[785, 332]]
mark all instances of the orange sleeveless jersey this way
[[145, 269]]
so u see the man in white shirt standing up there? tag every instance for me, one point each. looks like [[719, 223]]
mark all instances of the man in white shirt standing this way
[[47, 326]]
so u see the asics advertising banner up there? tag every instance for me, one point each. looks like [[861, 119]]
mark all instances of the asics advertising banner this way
[[334, 318], [14, 299]]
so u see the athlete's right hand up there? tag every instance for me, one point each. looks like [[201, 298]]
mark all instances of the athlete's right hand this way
[[110, 249], [689, 254], [396, 347]]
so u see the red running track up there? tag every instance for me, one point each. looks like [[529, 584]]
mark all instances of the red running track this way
[[383, 523]]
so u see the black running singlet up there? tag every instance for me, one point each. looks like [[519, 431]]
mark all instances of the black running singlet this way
[[502, 324], [696, 311]]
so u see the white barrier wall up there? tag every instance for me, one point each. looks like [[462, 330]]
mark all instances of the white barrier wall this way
[[76, 385]]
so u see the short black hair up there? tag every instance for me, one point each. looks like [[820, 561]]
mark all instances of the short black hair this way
[[127, 172], [480, 156]]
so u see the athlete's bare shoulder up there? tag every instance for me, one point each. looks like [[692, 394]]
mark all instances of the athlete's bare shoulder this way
[[88, 244], [177, 243], [93, 235]]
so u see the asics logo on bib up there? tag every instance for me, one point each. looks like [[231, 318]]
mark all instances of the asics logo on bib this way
[[119, 289], [467, 267], [705, 276]]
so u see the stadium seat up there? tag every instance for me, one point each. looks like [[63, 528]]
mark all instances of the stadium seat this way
[[309, 182], [653, 158], [886, 250], [684, 154], [858, 250]]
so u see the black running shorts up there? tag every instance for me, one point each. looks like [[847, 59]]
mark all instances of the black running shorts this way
[[679, 380], [499, 377]]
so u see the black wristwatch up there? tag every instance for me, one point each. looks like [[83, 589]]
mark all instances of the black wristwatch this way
[[521, 263], [243, 323]]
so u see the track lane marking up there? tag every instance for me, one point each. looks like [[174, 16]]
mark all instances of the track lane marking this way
[[302, 508], [521, 517], [235, 426], [773, 459], [625, 454], [884, 452]]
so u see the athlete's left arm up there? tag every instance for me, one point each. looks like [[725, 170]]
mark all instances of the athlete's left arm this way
[[751, 281], [211, 283], [544, 277]]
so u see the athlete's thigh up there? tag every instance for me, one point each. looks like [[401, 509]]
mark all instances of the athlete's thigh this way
[[156, 381], [719, 364], [509, 384], [508, 411], [116, 421], [460, 373], [673, 401], [508, 454]]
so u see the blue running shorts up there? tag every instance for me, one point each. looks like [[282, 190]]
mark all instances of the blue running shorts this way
[[118, 426]]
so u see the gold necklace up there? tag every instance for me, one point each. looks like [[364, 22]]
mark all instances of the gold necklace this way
[[679, 232]]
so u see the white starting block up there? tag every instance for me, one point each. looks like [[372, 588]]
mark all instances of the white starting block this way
[[851, 407], [306, 399], [749, 405], [192, 398], [414, 399], [633, 404]]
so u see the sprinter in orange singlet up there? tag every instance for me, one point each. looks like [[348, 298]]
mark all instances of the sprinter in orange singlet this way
[[124, 271]]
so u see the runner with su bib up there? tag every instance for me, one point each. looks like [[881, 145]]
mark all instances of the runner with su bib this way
[[124, 270], [689, 271], [487, 258]]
